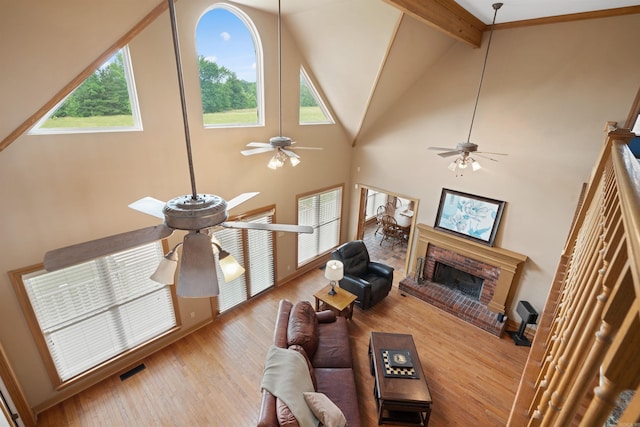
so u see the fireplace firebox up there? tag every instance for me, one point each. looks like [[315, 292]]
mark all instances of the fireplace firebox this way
[[458, 280]]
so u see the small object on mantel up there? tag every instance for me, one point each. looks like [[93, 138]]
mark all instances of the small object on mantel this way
[[529, 316]]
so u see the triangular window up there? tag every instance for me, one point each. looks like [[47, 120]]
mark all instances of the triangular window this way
[[312, 109], [105, 102]]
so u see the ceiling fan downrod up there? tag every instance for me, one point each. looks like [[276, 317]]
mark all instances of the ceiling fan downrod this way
[[183, 103], [495, 6]]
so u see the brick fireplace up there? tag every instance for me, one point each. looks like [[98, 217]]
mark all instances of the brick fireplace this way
[[496, 269]]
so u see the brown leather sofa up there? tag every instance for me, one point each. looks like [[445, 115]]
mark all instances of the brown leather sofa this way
[[331, 361]]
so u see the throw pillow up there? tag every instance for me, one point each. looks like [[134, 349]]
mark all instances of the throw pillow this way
[[303, 327], [325, 410], [300, 350], [285, 417]]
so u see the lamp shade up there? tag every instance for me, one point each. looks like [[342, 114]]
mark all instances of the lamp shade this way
[[334, 270], [166, 271], [231, 268]]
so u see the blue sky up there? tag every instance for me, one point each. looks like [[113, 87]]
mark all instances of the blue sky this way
[[223, 38]]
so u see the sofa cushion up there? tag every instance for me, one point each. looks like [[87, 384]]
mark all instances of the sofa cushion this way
[[340, 386], [303, 327], [325, 410], [300, 350], [334, 350], [285, 416]]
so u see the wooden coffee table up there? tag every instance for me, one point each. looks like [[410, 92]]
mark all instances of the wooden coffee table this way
[[402, 395], [341, 303]]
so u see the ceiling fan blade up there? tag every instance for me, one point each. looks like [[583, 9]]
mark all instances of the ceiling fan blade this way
[[258, 144], [487, 152], [484, 157], [240, 199], [306, 148], [82, 252], [289, 228], [441, 148], [449, 153], [256, 151], [149, 206], [290, 153], [197, 277]]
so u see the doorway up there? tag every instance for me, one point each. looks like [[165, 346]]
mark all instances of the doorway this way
[[396, 254]]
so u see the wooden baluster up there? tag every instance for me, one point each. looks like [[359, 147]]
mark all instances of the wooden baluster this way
[[588, 262], [620, 370], [583, 369]]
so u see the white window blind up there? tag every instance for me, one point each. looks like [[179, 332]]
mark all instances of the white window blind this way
[[374, 199], [234, 292], [94, 311], [322, 212], [253, 249]]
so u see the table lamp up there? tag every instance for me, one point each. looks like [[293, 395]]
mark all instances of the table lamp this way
[[334, 271]]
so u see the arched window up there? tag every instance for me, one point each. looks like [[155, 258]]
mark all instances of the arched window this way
[[230, 65]]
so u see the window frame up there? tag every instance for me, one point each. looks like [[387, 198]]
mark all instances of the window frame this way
[[257, 43], [36, 129], [329, 120], [101, 369], [317, 193]]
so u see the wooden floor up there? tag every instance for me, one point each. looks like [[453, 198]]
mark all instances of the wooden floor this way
[[212, 377]]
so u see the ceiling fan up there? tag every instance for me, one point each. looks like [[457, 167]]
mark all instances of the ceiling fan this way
[[282, 145], [196, 213], [464, 149]]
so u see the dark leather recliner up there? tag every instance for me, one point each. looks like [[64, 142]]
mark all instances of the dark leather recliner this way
[[370, 281]]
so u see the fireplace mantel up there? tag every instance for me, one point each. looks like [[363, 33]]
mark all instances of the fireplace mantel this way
[[507, 261]]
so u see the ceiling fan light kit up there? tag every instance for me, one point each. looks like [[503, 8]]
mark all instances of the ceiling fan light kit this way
[[464, 148], [195, 213]]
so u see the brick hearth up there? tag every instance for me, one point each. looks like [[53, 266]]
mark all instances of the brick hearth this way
[[498, 267], [454, 302]]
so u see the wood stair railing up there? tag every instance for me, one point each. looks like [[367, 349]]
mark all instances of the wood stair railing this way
[[586, 350]]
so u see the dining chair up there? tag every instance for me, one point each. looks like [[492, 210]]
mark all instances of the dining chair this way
[[391, 231], [380, 212]]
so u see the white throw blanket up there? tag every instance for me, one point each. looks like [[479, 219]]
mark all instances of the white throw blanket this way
[[286, 376]]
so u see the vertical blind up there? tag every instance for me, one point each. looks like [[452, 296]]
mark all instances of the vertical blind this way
[[253, 249], [322, 212], [91, 312]]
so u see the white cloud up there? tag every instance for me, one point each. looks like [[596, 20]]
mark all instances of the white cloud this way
[[253, 67], [225, 36], [211, 58]]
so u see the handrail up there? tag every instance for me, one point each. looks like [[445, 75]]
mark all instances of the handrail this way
[[589, 331]]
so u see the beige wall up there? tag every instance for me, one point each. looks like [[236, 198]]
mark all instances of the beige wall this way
[[547, 93], [64, 189]]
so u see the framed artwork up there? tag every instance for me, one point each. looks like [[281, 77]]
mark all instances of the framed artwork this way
[[466, 215]]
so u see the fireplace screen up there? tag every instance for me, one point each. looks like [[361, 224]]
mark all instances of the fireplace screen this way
[[461, 281]]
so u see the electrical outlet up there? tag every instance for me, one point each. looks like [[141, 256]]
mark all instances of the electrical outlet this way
[[193, 314]]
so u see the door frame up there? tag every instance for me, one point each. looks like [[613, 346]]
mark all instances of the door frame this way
[[362, 211]]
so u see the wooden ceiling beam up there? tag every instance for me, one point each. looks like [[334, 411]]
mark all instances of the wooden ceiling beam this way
[[446, 16]]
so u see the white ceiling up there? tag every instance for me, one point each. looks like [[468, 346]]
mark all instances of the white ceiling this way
[[519, 10], [512, 10]]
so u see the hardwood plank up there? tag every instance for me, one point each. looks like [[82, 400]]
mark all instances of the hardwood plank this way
[[212, 377]]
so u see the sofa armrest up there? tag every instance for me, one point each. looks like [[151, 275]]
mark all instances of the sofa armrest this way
[[326, 316], [268, 412], [382, 270]]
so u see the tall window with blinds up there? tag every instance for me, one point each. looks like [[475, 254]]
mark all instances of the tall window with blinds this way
[[253, 249], [322, 211], [90, 313]]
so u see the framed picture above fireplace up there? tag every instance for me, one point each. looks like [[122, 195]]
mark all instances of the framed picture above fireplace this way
[[472, 217]]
